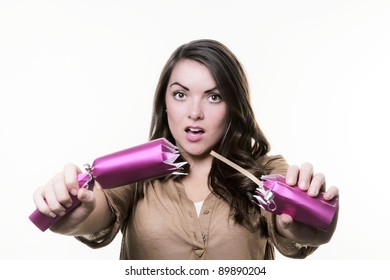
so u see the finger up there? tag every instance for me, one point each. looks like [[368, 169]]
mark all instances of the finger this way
[[41, 204], [305, 176], [70, 176], [61, 190], [317, 184], [331, 193], [292, 175], [50, 197]]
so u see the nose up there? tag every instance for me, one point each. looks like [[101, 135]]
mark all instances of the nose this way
[[196, 111]]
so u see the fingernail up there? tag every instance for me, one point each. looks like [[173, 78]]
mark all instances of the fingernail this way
[[84, 195], [51, 214], [302, 184], [289, 181], [73, 192]]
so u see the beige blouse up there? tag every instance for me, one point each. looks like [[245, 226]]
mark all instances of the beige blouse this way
[[164, 225]]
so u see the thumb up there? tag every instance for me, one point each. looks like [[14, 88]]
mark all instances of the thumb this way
[[87, 199], [285, 222]]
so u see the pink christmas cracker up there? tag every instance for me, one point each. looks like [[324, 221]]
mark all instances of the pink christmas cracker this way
[[281, 198], [274, 195], [151, 160]]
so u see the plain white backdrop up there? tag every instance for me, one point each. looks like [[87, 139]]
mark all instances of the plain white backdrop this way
[[77, 80]]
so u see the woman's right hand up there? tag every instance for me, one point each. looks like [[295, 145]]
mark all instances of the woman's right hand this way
[[53, 198]]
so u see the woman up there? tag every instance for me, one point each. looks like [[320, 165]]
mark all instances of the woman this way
[[201, 104]]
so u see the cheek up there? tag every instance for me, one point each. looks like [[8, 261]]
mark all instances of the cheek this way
[[175, 119], [220, 118], [175, 109], [174, 114], [171, 111]]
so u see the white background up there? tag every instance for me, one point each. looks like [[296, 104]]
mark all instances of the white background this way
[[77, 80]]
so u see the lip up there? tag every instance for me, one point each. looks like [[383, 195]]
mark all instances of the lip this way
[[194, 133]]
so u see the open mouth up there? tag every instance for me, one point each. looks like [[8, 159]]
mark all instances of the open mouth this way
[[194, 130]]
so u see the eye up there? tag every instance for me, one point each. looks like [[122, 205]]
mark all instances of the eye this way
[[215, 98], [179, 95]]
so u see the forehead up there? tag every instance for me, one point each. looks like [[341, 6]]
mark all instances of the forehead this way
[[188, 69]]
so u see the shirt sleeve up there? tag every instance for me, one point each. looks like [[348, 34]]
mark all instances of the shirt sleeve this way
[[278, 165], [120, 200]]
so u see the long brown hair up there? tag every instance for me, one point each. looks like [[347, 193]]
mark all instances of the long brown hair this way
[[243, 142]]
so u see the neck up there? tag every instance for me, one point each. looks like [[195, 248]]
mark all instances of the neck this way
[[199, 166], [196, 182]]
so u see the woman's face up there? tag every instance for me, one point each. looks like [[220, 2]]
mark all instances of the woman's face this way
[[196, 111]]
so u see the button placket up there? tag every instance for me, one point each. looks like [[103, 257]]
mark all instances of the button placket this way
[[206, 215]]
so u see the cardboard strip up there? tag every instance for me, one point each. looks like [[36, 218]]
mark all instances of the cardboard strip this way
[[240, 169]]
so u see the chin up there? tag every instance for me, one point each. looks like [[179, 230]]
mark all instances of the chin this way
[[195, 152], [194, 149], [199, 153]]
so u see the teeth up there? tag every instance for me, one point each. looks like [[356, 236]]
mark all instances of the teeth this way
[[194, 129]]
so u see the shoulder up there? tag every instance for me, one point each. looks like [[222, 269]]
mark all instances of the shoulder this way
[[274, 164]]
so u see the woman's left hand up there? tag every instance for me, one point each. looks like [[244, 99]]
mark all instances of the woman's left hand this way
[[313, 184]]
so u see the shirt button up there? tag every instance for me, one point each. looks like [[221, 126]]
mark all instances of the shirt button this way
[[206, 212]]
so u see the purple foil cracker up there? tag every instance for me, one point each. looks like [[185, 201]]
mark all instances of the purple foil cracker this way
[[274, 195], [151, 160], [286, 199]]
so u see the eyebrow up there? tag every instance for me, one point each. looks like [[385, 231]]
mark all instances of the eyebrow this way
[[186, 88]]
